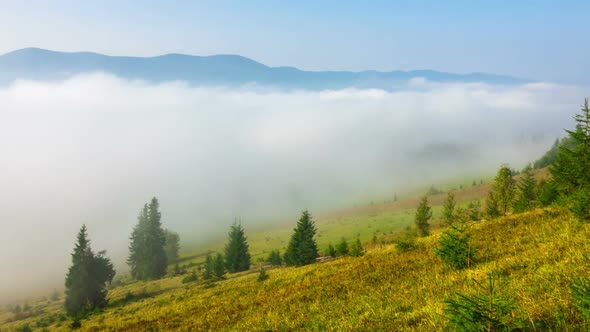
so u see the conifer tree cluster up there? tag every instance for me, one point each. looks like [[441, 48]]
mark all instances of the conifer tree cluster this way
[[147, 256], [302, 248], [87, 277], [237, 254]]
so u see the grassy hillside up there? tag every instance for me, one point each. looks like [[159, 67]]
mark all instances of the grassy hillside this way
[[536, 256]]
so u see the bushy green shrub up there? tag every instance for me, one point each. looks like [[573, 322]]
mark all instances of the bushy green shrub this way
[[190, 278], [406, 243]]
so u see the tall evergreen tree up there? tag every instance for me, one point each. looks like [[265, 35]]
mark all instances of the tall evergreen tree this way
[[147, 255], [504, 188], [423, 216], [237, 255], [87, 277], [449, 209], [571, 170], [525, 193], [302, 248], [172, 245], [492, 209]]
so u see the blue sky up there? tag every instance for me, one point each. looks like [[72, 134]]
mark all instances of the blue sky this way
[[545, 40]]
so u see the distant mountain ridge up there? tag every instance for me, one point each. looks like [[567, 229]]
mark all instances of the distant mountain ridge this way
[[227, 70]]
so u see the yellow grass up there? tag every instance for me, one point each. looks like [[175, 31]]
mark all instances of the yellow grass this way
[[536, 255]]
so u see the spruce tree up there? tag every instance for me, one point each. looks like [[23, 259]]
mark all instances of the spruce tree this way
[[455, 247], [172, 245], [237, 255], [449, 209], [274, 258], [492, 209], [504, 188], [302, 248], [356, 250], [147, 256], [342, 247], [571, 169], [209, 268], [525, 193], [423, 216], [87, 278], [331, 250], [219, 266]]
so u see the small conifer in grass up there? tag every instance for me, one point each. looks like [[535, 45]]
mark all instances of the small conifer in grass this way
[[342, 248], [87, 278], [302, 248], [547, 192], [449, 209], [356, 250], [580, 204], [423, 216], [331, 250], [219, 266], [525, 192], [237, 251], [262, 276], [192, 277], [406, 242], [486, 310], [208, 271], [274, 258], [455, 248]]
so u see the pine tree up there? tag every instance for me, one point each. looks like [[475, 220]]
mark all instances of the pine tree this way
[[262, 276], [172, 245], [504, 188], [449, 209], [525, 193], [209, 268], [331, 250], [147, 255], [423, 216], [342, 247], [237, 255], [302, 248], [356, 250], [274, 258], [571, 168], [492, 209], [219, 266], [87, 278], [455, 248]]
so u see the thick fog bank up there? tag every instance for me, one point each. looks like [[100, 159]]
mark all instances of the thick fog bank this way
[[94, 148]]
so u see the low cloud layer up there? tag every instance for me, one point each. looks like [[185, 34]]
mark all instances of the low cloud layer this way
[[94, 148]]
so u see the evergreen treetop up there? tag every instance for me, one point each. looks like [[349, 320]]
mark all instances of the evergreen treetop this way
[[302, 248], [237, 255]]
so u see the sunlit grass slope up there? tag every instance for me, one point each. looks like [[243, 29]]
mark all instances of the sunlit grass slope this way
[[536, 256]]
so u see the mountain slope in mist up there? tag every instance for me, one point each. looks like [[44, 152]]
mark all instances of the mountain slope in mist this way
[[226, 70]]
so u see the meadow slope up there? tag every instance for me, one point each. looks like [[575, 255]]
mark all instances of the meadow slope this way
[[536, 256]]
